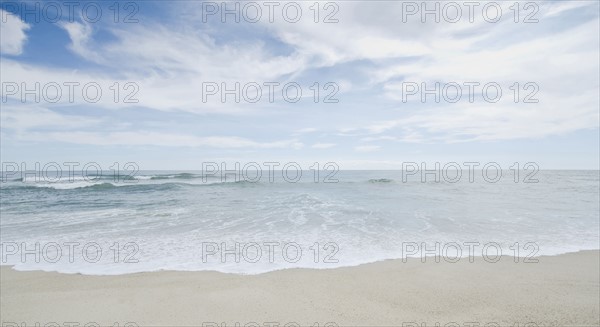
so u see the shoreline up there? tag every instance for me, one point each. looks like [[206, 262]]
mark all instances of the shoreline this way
[[400, 260], [558, 290]]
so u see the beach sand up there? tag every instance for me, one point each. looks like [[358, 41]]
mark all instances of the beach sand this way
[[559, 290]]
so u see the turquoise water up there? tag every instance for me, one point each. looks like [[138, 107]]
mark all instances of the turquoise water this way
[[163, 220]]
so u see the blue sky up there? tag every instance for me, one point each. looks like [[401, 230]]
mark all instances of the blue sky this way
[[369, 54]]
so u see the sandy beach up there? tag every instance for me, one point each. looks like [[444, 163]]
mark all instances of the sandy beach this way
[[558, 291]]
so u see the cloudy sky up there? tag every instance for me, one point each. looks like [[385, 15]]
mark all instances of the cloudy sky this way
[[157, 63]]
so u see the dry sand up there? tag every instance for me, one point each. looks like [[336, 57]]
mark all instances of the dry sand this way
[[561, 290]]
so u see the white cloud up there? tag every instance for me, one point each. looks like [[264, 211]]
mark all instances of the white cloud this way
[[500, 121], [367, 148], [306, 130], [170, 64], [81, 35], [323, 145], [156, 139], [170, 67], [554, 8], [564, 65], [24, 117], [12, 33]]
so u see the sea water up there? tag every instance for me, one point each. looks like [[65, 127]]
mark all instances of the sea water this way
[[186, 221]]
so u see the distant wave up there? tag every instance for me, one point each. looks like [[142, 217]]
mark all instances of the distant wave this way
[[62, 186], [176, 176], [381, 180], [101, 186], [91, 180]]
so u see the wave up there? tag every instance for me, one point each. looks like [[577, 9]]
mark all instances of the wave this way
[[147, 182], [107, 177], [62, 186], [62, 179], [381, 180], [150, 177], [100, 186], [169, 176]]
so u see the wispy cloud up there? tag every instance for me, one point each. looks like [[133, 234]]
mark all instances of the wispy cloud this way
[[367, 148], [323, 145], [370, 52], [12, 33], [156, 139]]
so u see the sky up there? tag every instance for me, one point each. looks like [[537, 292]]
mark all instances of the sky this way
[[160, 83]]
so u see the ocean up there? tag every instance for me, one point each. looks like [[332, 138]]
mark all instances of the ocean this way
[[187, 221]]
